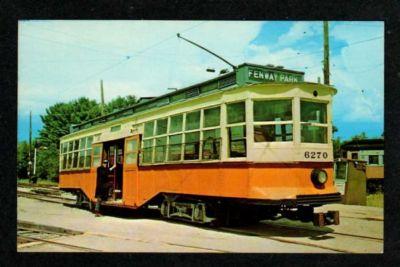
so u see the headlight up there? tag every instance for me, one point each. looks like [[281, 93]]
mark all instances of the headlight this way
[[319, 177]]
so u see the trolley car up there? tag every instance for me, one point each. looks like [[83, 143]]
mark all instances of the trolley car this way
[[250, 144]]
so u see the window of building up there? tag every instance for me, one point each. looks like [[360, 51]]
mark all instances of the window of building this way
[[237, 141], [192, 120], [176, 123], [162, 126], [212, 117], [373, 159], [192, 145], [273, 121], [354, 155], [236, 112], [313, 119]]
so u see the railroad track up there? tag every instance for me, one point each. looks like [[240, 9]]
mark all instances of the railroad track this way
[[46, 197], [270, 227], [30, 234]]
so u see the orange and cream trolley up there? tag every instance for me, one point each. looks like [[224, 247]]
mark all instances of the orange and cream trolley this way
[[250, 144]]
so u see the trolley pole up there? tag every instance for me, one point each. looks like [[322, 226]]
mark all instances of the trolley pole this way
[[326, 53], [102, 97], [30, 147]]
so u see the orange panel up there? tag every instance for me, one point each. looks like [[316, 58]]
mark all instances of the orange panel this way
[[240, 180]]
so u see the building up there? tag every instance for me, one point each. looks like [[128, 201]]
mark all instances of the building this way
[[372, 152]]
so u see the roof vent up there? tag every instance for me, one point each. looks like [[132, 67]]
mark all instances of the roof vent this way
[[223, 71], [270, 65], [279, 67]]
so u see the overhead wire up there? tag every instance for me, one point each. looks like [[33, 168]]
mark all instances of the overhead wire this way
[[128, 58]]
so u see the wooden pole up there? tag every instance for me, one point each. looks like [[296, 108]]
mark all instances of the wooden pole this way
[[30, 147], [326, 53], [102, 97]]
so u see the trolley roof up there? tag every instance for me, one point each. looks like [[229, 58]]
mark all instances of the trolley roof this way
[[246, 73]]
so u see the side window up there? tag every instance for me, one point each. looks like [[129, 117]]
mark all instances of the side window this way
[[97, 153], [131, 151], [212, 117], [236, 112], [237, 141], [211, 144], [160, 149], [148, 129], [176, 124], [161, 126], [175, 147], [236, 119], [147, 151], [192, 145], [88, 155], [192, 120], [273, 121]]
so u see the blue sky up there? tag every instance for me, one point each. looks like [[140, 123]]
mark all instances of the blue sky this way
[[59, 61]]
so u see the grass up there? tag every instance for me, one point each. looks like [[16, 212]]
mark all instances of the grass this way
[[375, 200], [39, 181]]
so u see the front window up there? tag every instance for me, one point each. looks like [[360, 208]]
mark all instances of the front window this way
[[314, 127], [273, 121]]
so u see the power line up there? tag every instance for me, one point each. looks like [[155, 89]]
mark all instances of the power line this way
[[336, 47], [129, 57], [71, 44]]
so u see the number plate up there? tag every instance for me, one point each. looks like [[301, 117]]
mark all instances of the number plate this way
[[315, 155]]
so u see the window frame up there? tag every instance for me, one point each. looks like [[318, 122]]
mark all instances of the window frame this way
[[262, 123], [230, 125], [315, 124]]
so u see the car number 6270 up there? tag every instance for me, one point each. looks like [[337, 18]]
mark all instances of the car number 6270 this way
[[315, 155]]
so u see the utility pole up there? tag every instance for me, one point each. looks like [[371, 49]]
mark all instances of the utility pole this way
[[102, 97], [30, 145], [326, 53]]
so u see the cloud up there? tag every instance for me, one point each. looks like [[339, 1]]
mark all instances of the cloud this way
[[64, 60], [358, 73], [299, 31]]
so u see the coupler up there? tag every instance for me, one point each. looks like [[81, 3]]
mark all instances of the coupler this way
[[326, 218]]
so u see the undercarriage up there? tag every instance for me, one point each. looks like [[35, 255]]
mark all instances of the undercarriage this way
[[223, 212]]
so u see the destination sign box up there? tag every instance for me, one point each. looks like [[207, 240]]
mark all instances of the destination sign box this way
[[266, 75]]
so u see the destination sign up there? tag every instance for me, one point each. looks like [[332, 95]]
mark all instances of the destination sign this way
[[273, 76]]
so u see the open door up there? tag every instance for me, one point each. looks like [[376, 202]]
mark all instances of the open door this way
[[130, 170]]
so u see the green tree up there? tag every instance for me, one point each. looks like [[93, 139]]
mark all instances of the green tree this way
[[120, 103], [22, 159], [47, 163], [61, 116], [336, 142], [360, 136], [56, 123]]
